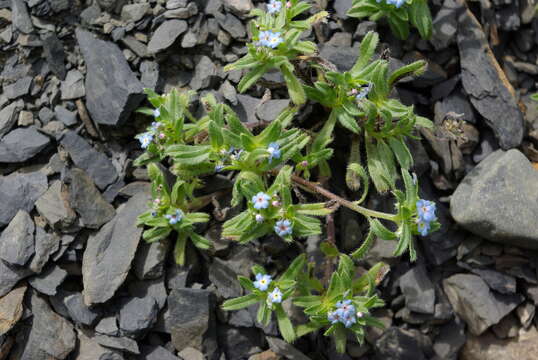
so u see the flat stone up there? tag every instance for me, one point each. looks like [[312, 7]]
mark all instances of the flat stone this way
[[134, 12], [112, 88], [138, 315], [69, 118], [17, 240], [182, 13], [225, 279], [51, 336], [20, 17], [160, 353], [399, 344], [87, 201], [73, 85], [418, 290], [152, 288], [233, 26], [166, 34], [489, 347], [78, 311], [284, 349], [450, 340], [107, 326], [486, 84], [89, 349], [48, 281], [19, 88], [22, 144], [10, 275], [120, 343], [445, 24], [149, 260], [498, 200], [239, 7], [96, 164], [19, 192], [476, 304], [190, 317], [11, 308], [505, 284], [270, 110], [53, 207], [109, 253], [45, 245], [204, 73], [8, 117], [54, 54]]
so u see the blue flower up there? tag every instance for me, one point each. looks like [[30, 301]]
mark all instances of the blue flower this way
[[274, 151], [156, 113], [364, 92], [219, 167], [349, 321], [423, 227], [262, 282], [426, 210], [155, 126], [264, 37], [335, 316], [274, 6], [275, 296], [398, 3], [261, 201], [274, 40], [145, 139], [259, 218], [154, 213], [175, 218], [283, 228]]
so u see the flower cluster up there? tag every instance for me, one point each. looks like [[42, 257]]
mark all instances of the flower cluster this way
[[147, 137], [174, 218], [344, 313], [260, 201], [270, 39], [274, 151], [274, 6], [426, 214], [397, 3]]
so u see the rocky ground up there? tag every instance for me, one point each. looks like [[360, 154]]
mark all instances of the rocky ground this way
[[77, 282]]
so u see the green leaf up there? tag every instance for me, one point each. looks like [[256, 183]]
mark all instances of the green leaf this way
[[240, 302], [307, 328], [365, 246], [295, 267], [200, 242], [424, 122], [284, 324], [399, 27], [156, 234], [251, 77], [347, 121], [329, 249], [415, 68], [179, 249], [340, 339], [295, 89], [355, 170], [264, 314], [402, 153], [316, 209], [421, 18], [215, 135], [380, 230], [366, 51]]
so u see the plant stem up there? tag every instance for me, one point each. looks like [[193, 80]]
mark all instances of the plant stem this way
[[349, 204]]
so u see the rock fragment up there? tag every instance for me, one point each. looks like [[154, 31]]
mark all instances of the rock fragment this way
[[19, 192], [21, 145], [17, 240], [166, 34]]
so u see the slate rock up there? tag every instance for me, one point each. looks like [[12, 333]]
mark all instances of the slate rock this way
[[107, 326], [476, 304], [138, 315], [284, 349], [11, 308], [53, 207], [19, 192], [51, 337], [48, 281], [17, 240], [232, 25], [19, 88], [149, 260], [341, 7], [399, 344], [109, 253], [486, 84], [54, 54], [269, 110], [489, 347], [225, 279], [8, 117], [239, 7], [69, 118], [342, 57], [120, 343], [22, 144], [204, 73], [246, 108], [134, 12], [96, 164], [78, 311], [87, 201], [166, 34], [152, 288], [191, 316], [505, 284], [450, 340], [445, 24], [112, 89], [149, 71], [73, 85], [498, 200], [418, 290], [45, 245], [10, 275], [89, 349], [240, 343], [20, 17], [158, 353]]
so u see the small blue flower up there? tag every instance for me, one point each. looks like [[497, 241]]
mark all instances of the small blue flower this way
[[154, 213], [155, 126], [261, 201], [423, 227], [364, 92], [262, 282], [275, 296], [283, 227], [219, 167], [274, 151], [145, 139], [274, 40], [274, 6], [174, 218], [264, 37], [426, 210], [156, 113], [398, 3], [349, 321], [259, 218], [335, 316]]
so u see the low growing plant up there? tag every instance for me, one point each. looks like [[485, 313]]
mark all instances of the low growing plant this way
[[272, 165]]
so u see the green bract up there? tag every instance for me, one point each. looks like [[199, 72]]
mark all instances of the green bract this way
[[272, 163]]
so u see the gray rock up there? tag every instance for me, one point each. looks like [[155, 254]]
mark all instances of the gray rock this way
[[204, 73], [284, 349], [8, 117], [120, 343], [445, 24], [239, 343], [138, 315], [51, 336], [269, 110], [20, 17], [456, 102], [505, 284], [239, 7], [59, 5], [73, 85], [341, 7], [87, 201], [54, 54], [19, 88], [498, 200], [134, 12], [343, 57], [19, 192], [508, 327], [158, 353], [153, 288], [69, 118], [191, 316], [232, 25], [22, 144], [476, 304], [418, 290], [149, 260], [89, 349], [78, 311], [166, 34], [112, 89], [149, 74], [45, 115], [182, 13], [11, 308], [107, 326], [398, 344], [95, 163], [246, 108], [489, 347], [225, 279], [45, 245], [10, 275], [109, 253], [450, 340], [483, 79], [53, 207], [48, 281], [17, 240]]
